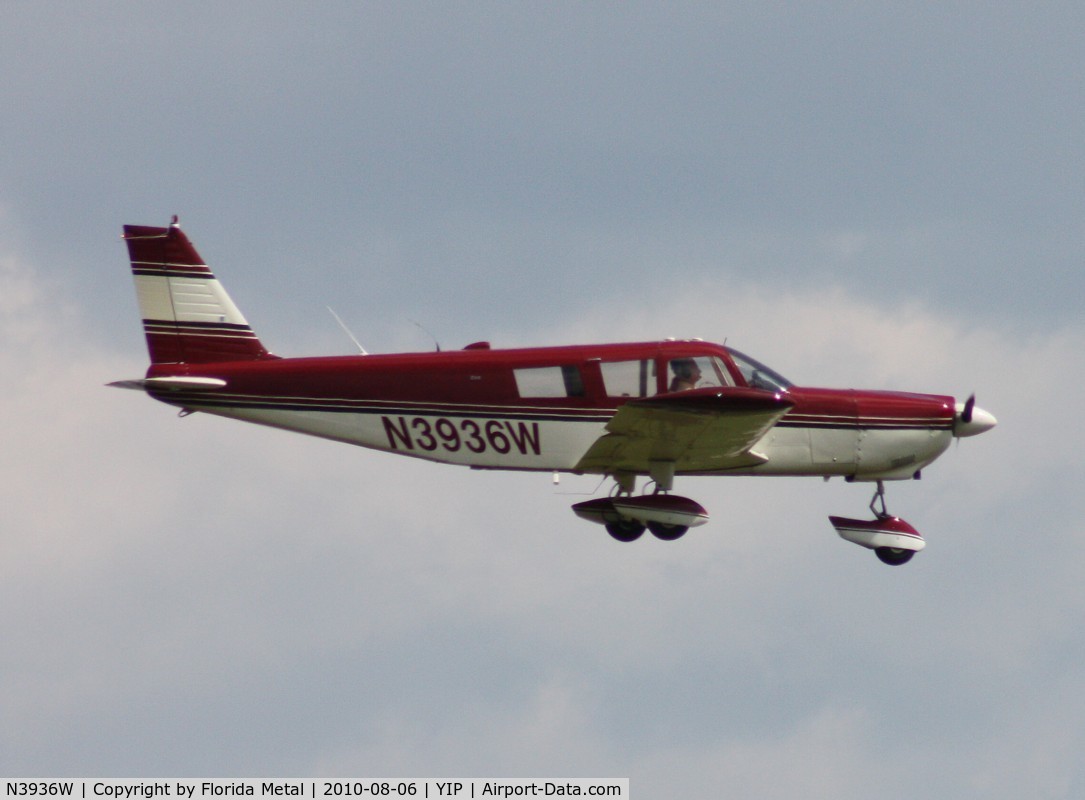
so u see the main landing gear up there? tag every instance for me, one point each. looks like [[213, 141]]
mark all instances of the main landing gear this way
[[892, 539], [626, 516]]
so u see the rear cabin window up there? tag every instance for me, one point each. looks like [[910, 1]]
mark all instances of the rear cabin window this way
[[629, 378], [563, 381]]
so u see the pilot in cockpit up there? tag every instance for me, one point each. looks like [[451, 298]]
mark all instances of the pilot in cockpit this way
[[686, 374]]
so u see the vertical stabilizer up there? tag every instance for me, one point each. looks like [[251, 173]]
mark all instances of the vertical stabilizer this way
[[187, 315]]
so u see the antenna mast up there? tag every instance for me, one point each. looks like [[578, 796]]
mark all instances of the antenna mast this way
[[346, 330]]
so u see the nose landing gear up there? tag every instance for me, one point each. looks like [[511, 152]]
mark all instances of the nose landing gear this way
[[892, 539]]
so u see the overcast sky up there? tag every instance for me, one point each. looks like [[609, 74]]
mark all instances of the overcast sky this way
[[860, 195]]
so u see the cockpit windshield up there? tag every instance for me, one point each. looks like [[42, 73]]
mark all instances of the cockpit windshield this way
[[757, 375]]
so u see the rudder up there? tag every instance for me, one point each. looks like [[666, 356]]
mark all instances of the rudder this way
[[187, 315]]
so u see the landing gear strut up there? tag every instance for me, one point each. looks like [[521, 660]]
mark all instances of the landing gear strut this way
[[879, 499]]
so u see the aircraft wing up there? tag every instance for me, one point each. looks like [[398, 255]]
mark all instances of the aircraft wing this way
[[702, 430]]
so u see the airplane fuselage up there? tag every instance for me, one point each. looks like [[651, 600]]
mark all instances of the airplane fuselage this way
[[542, 408]]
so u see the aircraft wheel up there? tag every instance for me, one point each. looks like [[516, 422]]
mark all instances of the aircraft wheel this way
[[625, 530], [667, 533], [894, 557]]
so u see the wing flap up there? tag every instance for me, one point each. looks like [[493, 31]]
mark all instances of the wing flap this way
[[703, 430]]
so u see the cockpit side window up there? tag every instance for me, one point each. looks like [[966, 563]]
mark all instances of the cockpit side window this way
[[695, 372], [757, 375]]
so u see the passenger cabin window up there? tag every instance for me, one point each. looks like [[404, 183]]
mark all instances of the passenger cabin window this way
[[696, 372], [629, 378], [563, 381]]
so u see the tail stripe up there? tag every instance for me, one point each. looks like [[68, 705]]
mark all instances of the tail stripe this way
[[171, 270], [225, 330], [196, 327]]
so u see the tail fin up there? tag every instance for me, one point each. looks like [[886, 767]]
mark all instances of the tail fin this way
[[187, 315]]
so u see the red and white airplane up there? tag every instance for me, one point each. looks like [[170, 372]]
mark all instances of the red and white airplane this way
[[654, 410]]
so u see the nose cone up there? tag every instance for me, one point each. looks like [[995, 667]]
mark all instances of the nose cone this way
[[972, 420]]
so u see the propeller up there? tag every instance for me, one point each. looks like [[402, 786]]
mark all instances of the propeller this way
[[970, 420], [969, 406]]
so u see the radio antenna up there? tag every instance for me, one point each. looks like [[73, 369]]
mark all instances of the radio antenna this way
[[426, 331], [346, 330]]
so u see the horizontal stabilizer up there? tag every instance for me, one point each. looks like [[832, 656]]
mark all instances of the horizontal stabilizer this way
[[173, 384]]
